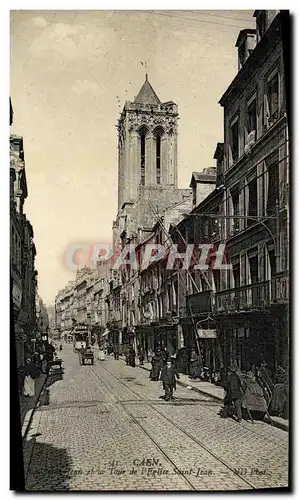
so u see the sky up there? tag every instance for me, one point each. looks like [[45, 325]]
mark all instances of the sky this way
[[70, 75]]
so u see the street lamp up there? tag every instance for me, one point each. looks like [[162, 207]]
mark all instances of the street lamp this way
[[259, 220]]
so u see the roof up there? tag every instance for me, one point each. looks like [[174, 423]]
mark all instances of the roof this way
[[206, 175], [147, 95], [256, 60]]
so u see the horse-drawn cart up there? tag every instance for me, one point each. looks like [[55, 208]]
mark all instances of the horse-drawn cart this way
[[86, 356], [54, 367]]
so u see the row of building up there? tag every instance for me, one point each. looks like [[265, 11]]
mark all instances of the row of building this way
[[240, 207], [28, 310]]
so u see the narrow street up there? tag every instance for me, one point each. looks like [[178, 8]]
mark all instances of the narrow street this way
[[105, 427]]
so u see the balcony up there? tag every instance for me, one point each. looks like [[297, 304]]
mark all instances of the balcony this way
[[246, 298], [280, 288], [200, 303]]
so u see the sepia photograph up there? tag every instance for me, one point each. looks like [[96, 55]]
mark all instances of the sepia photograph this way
[[149, 250]]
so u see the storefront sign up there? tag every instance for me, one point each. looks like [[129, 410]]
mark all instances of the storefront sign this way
[[206, 334], [16, 295]]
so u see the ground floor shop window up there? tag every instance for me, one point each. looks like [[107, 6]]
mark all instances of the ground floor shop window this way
[[241, 349]]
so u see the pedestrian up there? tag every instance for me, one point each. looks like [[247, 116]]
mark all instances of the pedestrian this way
[[165, 355], [141, 355], [233, 392], [195, 368], [280, 395], [150, 356], [168, 376], [44, 364], [132, 357], [182, 360], [253, 399], [29, 380], [116, 351], [127, 353], [50, 350], [21, 377], [157, 363], [101, 353]]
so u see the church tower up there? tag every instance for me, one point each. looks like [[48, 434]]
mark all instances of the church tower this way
[[147, 145]]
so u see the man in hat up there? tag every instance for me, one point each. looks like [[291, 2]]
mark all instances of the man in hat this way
[[233, 391], [169, 375]]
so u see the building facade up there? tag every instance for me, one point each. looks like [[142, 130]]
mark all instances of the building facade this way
[[243, 311], [253, 303], [22, 252]]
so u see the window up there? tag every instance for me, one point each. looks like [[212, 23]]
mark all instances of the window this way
[[253, 267], [142, 156], [272, 260], [273, 188], [272, 100], [261, 25], [214, 225], [236, 274], [158, 158], [191, 233], [235, 199], [234, 141], [251, 117], [205, 227], [241, 54], [216, 277], [252, 202]]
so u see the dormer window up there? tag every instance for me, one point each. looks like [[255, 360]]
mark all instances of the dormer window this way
[[246, 42]]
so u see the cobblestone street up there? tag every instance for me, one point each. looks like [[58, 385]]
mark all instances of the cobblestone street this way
[[105, 427]]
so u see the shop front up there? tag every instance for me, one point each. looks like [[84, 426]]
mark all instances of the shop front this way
[[166, 337], [250, 340]]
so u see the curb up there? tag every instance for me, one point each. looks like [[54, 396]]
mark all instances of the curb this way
[[31, 412], [279, 425]]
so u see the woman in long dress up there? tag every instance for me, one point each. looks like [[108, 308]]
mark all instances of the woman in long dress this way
[[194, 365], [253, 399], [29, 382], [101, 354]]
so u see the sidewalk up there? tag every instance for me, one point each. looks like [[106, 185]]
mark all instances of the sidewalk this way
[[216, 392], [28, 404]]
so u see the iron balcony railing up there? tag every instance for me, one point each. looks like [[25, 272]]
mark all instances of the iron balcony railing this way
[[250, 297]]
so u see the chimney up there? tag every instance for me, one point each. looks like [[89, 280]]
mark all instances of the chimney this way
[[245, 43]]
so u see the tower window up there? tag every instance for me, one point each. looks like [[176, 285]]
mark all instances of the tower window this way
[[158, 135], [142, 158], [158, 158]]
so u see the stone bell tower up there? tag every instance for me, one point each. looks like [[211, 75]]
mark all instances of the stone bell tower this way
[[147, 145]]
